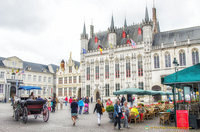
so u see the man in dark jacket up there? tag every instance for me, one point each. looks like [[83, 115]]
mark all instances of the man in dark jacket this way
[[74, 111], [123, 100]]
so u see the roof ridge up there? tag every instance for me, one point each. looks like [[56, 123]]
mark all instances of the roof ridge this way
[[173, 30]]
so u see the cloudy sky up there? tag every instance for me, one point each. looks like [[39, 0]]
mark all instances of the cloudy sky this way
[[45, 31]]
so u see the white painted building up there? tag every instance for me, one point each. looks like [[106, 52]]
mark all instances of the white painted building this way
[[68, 79], [15, 72], [122, 66]]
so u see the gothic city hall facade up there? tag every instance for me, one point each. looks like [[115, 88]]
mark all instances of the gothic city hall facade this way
[[134, 56]]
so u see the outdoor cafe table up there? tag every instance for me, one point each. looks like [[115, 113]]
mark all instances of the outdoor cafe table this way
[[156, 111]]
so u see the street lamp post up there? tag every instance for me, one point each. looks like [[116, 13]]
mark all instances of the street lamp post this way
[[174, 87], [102, 91]]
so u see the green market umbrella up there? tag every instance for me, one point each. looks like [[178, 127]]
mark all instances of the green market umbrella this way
[[129, 91]]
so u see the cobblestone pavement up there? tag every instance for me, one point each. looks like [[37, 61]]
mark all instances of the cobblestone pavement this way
[[61, 121]]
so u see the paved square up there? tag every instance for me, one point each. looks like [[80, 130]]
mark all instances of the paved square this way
[[61, 121]]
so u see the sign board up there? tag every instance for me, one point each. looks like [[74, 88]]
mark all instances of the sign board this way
[[182, 119]]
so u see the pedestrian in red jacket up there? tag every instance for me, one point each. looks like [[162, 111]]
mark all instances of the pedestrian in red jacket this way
[[66, 101]]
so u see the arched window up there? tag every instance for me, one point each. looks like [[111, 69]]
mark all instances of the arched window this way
[[182, 58], [156, 61], [140, 66], [195, 56], [116, 69], [128, 68], [167, 60], [106, 70]]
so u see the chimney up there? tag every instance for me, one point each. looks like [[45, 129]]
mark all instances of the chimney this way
[[155, 24], [91, 31]]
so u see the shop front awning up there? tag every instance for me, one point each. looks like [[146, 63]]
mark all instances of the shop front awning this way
[[185, 76]]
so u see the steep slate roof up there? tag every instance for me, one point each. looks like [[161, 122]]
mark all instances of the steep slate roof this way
[[35, 67], [76, 63], [179, 35], [55, 67], [132, 31], [1, 62]]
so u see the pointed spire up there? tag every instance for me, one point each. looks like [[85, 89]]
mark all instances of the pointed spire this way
[[146, 15], [112, 27], [84, 35], [125, 24], [84, 29]]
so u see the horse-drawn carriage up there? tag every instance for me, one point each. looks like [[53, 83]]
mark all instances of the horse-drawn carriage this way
[[24, 107]]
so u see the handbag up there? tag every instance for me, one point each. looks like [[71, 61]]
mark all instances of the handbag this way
[[103, 110]]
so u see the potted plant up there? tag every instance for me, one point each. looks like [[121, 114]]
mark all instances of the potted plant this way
[[110, 110]]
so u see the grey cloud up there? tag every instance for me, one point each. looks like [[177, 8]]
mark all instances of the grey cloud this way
[[24, 15]]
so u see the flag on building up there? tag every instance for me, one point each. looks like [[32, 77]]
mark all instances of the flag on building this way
[[123, 34], [100, 48], [95, 40], [128, 42], [133, 44], [139, 31], [84, 51], [17, 70], [22, 72]]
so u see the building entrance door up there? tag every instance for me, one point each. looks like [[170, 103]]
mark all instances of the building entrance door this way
[[79, 93], [97, 95], [12, 91], [156, 97]]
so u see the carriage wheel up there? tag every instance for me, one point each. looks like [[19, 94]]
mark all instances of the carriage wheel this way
[[16, 114], [45, 114], [25, 115]]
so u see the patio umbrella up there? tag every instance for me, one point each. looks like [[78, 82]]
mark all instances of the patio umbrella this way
[[130, 91], [29, 88]]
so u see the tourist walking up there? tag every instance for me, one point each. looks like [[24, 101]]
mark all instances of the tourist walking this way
[[87, 100], [91, 99], [109, 102], [57, 101], [126, 114], [61, 103], [53, 102], [123, 99], [66, 101], [81, 105], [130, 99], [70, 100], [74, 111], [117, 114], [98, 108]]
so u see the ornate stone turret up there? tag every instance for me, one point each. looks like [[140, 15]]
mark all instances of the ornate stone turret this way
[[84, 40], [147, 27], [112, 37]]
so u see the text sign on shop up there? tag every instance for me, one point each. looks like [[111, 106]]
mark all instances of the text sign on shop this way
[[182, 119]]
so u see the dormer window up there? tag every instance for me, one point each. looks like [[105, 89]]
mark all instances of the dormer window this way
[[44, 70], [28, 68]]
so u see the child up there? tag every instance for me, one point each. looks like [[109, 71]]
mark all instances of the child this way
[[86, 108]]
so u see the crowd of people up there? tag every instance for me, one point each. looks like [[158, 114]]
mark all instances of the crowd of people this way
[[81, 105]]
